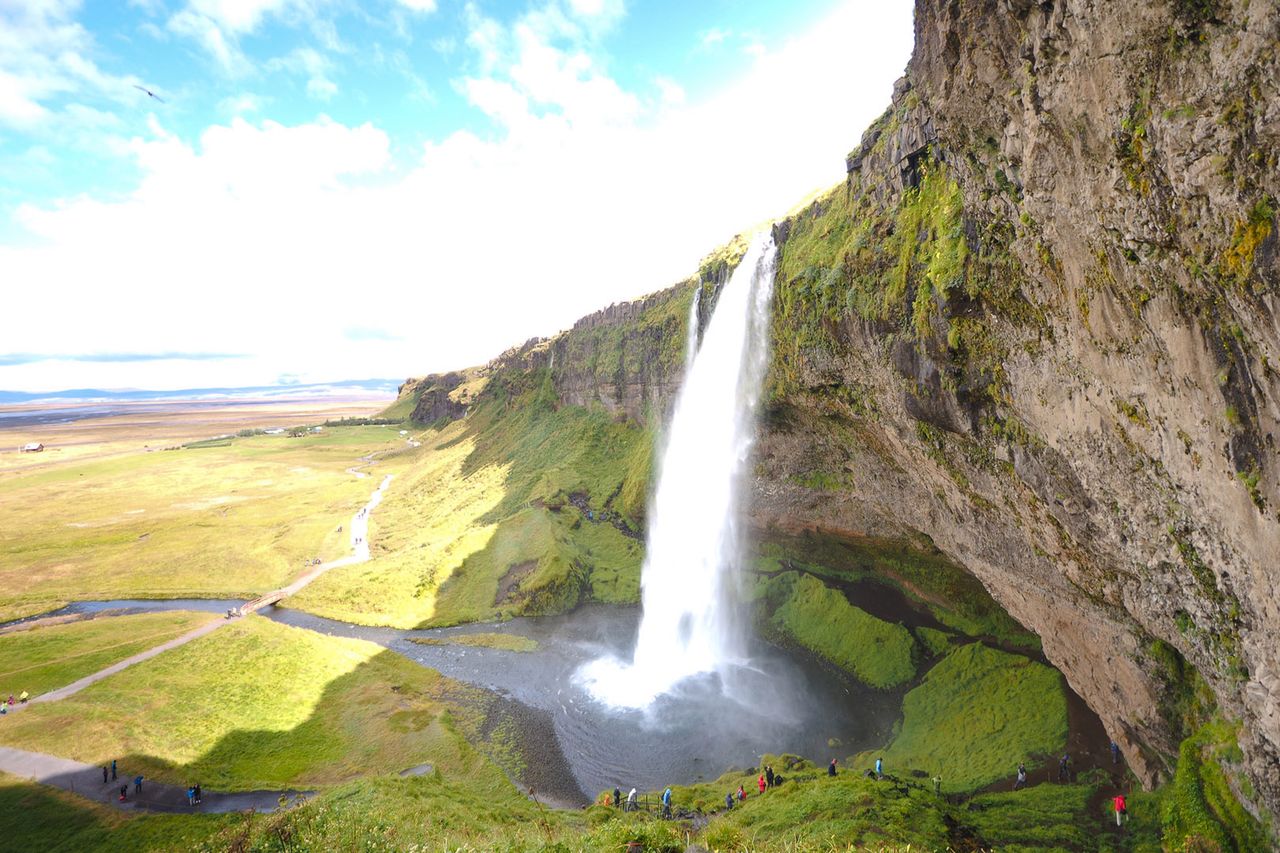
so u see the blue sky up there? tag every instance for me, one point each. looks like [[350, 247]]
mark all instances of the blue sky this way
[[331, 189]]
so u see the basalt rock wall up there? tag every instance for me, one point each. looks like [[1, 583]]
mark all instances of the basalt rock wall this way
[[1039, 326]]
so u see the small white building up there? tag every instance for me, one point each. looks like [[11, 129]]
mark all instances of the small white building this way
[[32, 447]]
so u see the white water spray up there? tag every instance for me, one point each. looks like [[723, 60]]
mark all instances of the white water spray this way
[[694, 542]]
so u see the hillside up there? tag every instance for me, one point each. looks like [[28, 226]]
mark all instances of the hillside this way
[[1036, 328]]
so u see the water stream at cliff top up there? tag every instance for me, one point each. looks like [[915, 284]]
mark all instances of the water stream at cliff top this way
[[694, 543]]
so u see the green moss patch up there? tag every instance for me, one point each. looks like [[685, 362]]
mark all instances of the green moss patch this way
[[976, 715], [822, 620], [1200, 810]]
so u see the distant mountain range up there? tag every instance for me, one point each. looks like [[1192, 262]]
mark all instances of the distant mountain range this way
[[322, 389]]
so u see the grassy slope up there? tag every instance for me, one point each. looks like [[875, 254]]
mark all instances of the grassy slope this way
[[822, 620], [490, 493], [976, 715], [253, 705], [33, 817], [42, 659], [217, 521]]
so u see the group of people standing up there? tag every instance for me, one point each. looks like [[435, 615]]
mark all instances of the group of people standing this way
[[22, 700], [124, 789], [110, 775]]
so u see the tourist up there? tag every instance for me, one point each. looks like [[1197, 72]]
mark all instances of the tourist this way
[[124, 792], [666, 802], [1121, 809], [760, 783], [113, 770], [23, 697], [617, 797], [4, 709], [191, 795], [10, 700], [631, 800], [728, 800], [1115, 752], [1021, 781], [104, 774], [768, 775], [198, 797], [742, 794], [879, 768], [831, 768], [137, 784], [937, 785], [1064, 775]]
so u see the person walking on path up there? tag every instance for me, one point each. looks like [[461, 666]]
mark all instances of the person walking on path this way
[[631, 800], [1064, 775], [113, 770], [1115, 752], [937, 785], [768, 775], [617, 797], [1122, 810], [104, 774], [760, 783], [124, 793], [137, 784], [23, 697], [831, 768], [742, 794], [879, 768], [191, 795], [197, 793], [728, 801], [1022, 777], [666, 803]]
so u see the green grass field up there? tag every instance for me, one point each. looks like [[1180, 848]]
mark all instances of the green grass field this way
[[975, 716], [254, 705], [219, 521], [821, 619], [42, 659]]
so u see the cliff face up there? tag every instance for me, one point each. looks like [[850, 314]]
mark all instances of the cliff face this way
[[1039, 325]]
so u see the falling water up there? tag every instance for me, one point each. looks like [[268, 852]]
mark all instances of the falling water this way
[[694, 542]]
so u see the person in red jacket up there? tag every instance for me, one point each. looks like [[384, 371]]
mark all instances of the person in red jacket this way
[[760, 783], [1121, 811]]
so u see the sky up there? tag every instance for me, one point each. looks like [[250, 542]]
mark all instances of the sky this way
[[247, 192]]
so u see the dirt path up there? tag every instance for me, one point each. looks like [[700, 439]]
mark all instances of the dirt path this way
[[86, 781]]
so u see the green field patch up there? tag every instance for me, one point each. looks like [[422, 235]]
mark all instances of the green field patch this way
[[977, 714], [38, 660], [880, 654], [487, 640], [1048, 817], [217, 522], [254, 705]]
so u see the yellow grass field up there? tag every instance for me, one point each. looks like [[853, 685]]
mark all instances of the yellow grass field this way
[[232, 519]]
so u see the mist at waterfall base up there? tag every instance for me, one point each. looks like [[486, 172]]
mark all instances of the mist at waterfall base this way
[[689, 628]]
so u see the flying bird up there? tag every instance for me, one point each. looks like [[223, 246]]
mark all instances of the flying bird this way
[[149, 92]]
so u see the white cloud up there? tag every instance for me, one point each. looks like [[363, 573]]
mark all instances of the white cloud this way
[[210, 36], [715, 36], [46, 57], [314, 65], [419, 5], [275, 240]]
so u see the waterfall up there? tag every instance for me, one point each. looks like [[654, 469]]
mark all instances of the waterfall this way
[[694, 543]]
